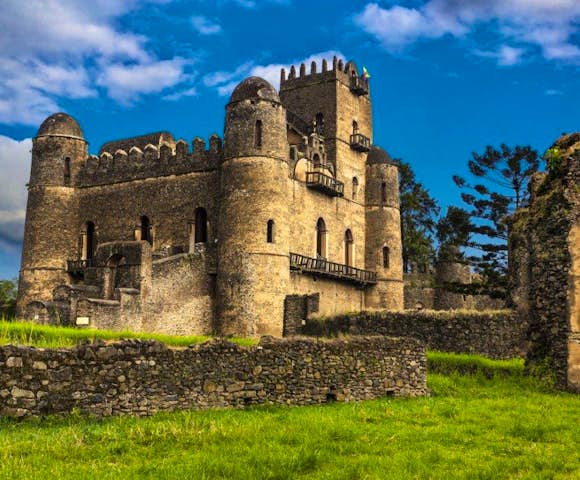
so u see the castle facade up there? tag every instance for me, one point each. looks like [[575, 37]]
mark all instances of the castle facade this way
[[295, 214]]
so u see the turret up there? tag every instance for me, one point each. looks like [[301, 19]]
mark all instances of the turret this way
[[51, 229], [253, 237], [383, 231]]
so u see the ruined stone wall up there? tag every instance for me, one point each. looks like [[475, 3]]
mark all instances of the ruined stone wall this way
[[142, 378], [552, 229], [497, 334]]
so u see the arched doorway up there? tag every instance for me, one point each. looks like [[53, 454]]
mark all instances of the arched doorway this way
[[200, 231], [348, 248], [321, 238], [145, 228]]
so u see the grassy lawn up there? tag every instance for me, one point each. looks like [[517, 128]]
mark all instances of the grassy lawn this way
[[27, 333], [473, 426]]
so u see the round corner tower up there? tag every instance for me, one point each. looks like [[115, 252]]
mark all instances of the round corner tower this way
[[50, 231], [253, 245], [383, 232]]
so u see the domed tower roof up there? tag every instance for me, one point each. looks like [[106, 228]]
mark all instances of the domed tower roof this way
[[60, 124], [254, 88], [377, 156]]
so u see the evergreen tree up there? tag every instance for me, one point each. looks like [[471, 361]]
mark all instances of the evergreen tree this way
[[418, 218], [498, 186]]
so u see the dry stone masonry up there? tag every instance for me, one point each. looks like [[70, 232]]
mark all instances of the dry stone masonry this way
[[141, 378]]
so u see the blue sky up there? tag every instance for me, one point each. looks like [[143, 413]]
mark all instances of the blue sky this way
[[448, 76]]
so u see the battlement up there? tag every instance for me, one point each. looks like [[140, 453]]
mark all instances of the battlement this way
[[138, 161], [346, 73]]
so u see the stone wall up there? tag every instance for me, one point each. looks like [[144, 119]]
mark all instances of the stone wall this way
[[495, 334], [141, 378]]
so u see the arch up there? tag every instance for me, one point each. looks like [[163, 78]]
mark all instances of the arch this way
[[145, 229], [270, 231], [258, 134], [354, 187], [200, 232], [316, 160], [321, 238], [67, 171], [383, 193], [386, 257], [319, 121], [348, 248], [89, 241], [112, 278], [354, 127]]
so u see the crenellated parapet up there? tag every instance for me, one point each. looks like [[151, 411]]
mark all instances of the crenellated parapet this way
[[346, 73], [140, 161]]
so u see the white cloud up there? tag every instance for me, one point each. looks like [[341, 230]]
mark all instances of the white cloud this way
[[189, 92], [14, 165], [205, 26], [551, 92], [548, 25], [505, 55], [225, 82], [68, 48]]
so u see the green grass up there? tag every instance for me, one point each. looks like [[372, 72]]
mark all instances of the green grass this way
[[26, 333], [506, 426]]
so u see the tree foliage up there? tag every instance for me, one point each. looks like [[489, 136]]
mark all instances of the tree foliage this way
[[498, 185], [418, 218], [8, 290], [453, 233]]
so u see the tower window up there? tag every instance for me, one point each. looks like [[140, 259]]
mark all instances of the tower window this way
[[146, 229], [348, 248], [67, 171], [258, 134], [270, 231], [354, 127], [321, 238], [354, 187], [200, 225], [383, 193], [386, 257], [319, 123], [316, 159]]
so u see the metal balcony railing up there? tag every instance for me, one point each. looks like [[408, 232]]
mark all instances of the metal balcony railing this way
[[359, 142], [78, 267], [338, 271], [359, 85], [324, 183]]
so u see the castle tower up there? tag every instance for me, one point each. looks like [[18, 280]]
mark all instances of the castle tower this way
[[383, 232], [253, 236], [337, 100], [51, 230]]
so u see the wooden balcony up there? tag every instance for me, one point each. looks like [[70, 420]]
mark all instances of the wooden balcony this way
[[360, 143], [359, 85], [78, 267], [325, 184], [337, 271]]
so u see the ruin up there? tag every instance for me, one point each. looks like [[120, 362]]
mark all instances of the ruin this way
[[295, 204]]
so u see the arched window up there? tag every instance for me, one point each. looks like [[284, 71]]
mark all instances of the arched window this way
[[386, 257], [354, 127], [67, 171], [145, 229], [270, 231], [292, 152], [321, 238], [200, 225], [258, 134], [354, 187], [89, 246], [348, 248], [383, 193], [316, 159], [319, 123]]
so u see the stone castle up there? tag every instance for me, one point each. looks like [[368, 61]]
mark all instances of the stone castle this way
[[295, 214]]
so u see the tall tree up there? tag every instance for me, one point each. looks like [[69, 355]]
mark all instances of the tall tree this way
[[419, 212], [453, 234], [497, 187], [8, 290]]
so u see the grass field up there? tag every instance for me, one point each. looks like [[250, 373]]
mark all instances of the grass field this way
[[474, 426], [27, 333]]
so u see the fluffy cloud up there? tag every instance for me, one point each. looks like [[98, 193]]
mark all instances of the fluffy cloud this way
[[205, 26], [505, 55], [548, 25], [15, 165], [70, 48], [225, 82]]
